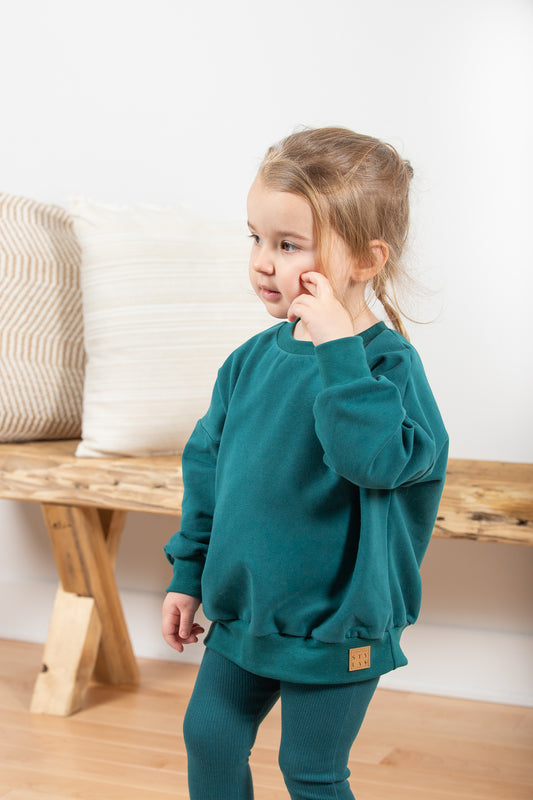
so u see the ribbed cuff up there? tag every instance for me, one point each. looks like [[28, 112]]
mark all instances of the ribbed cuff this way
[[342, 361], [187, 577]]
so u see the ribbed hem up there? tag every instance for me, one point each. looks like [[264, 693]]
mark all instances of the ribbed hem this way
[[291, 658]]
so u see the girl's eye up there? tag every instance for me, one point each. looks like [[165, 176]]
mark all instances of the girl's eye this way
[[255, 238], [288, 247]]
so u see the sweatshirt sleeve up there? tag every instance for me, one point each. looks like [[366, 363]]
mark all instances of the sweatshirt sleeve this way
[[379, 425], [187, 549]]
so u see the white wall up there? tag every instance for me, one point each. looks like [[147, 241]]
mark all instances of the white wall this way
[[163, 101]]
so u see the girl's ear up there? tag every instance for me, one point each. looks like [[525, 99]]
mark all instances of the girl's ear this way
[[362, 272]]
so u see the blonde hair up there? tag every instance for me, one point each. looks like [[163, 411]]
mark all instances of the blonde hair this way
[[356, 185]]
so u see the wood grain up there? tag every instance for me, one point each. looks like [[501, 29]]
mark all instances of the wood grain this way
[[49, 472], [127, 742], [487, 501]]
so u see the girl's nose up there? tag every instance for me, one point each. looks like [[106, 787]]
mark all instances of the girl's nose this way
[[262, 263]]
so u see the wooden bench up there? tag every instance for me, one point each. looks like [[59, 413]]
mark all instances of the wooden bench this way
[[84, 503]]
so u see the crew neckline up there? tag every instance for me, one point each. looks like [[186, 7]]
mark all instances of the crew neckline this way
[[287, 342]]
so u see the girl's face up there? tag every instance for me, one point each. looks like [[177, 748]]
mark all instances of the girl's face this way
[[284, 246]]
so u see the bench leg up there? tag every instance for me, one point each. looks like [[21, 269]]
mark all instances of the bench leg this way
[[88, 625], [69, 656], [112, 523]]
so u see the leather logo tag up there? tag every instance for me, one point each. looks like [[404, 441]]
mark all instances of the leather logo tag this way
[[359, 658]]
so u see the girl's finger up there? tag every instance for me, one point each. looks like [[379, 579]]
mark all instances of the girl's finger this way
[[315, 279], [310, 277], [197, 629], [297, 304]]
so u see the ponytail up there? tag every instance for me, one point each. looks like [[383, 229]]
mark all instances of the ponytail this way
[[380, 292]]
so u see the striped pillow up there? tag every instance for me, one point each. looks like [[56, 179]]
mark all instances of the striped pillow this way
[[166, 298], [41, 336]]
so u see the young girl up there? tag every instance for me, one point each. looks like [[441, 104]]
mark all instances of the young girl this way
[[312, 483]]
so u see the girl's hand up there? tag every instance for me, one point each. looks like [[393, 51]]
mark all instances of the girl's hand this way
[[178, 626], [322, 314]]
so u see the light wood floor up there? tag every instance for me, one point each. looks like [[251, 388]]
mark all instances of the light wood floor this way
[[126, 745]]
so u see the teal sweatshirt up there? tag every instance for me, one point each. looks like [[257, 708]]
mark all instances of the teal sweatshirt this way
[[312, 485]]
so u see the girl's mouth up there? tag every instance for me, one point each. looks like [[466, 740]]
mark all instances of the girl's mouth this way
[[269, 294]]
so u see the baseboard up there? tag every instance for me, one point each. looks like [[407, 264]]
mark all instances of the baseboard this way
[[474, 664]]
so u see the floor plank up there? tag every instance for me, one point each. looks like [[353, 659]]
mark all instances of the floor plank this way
[[126, 742]]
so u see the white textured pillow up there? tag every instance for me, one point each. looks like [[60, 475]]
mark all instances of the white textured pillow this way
[[41, 337], [166, 298]]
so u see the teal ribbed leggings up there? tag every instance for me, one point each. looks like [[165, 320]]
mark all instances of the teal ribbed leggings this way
[[319, 726]]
